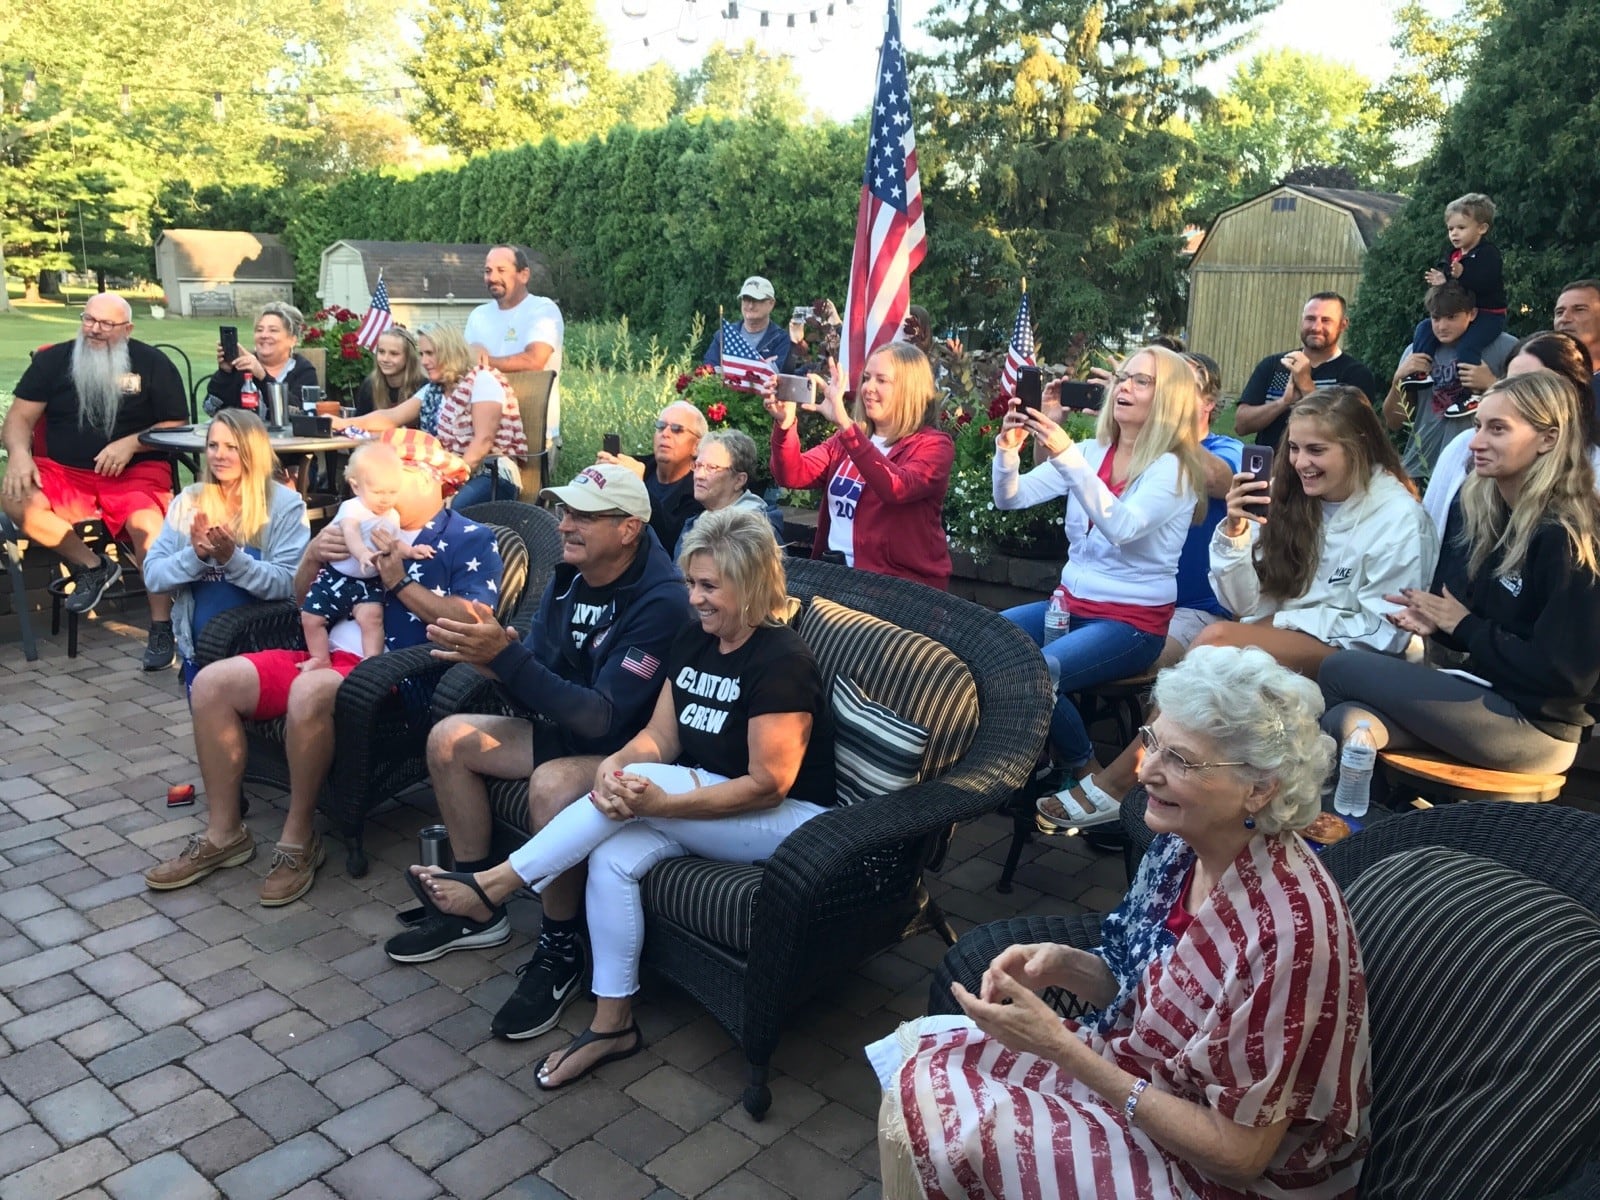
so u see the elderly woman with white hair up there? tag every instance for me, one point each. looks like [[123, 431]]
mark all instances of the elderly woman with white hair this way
[[1226, 1050]]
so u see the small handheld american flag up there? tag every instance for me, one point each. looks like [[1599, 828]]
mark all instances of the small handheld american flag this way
[[1020, 353], [742, 368], [378, 317]]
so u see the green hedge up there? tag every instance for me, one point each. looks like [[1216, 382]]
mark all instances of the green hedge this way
[[657, 225]]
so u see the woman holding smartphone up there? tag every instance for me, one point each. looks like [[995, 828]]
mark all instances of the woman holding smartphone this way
[[886, 471], [1527, 612], [1132, 492], [1304, 561]]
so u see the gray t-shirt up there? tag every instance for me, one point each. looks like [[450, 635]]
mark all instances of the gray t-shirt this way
[[1431, 430]]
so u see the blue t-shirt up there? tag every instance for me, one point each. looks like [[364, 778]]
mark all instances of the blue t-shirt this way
[[1194, 564], [465, 563], [213, 593]]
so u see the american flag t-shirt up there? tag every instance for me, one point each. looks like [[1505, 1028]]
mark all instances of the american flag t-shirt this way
[[378, 317], [891, 238], [641, 663]]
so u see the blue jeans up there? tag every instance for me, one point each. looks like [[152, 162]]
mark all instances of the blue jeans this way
[[1091, 652], [481, 488]]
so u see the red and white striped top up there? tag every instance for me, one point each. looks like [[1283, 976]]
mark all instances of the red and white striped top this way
[[1259, 1012]]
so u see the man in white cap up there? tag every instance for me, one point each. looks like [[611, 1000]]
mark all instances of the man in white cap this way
[[589, 671], [770, 341]]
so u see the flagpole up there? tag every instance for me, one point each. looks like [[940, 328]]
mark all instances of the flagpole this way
[[722, 341]]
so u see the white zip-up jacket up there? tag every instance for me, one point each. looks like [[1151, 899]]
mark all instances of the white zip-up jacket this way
[[1380, 541], [1121, 550]]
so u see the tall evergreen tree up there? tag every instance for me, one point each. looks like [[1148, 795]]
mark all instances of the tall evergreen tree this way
[[1057, 149], [1527, 132]]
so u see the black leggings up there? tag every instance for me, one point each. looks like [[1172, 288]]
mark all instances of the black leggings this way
[[1415, 707]]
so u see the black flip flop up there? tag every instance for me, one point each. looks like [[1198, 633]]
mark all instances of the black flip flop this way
[[582, 1040], [421, 893]]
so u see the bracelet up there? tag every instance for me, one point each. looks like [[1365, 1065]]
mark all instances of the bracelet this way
[[1132, 1102], [399, 587]]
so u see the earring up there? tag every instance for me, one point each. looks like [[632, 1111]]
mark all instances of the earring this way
[[1249, 822]]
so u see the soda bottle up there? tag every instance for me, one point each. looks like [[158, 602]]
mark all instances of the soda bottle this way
[[249, 395], [1356, 763]]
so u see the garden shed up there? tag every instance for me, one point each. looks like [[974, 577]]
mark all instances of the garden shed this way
[[222, 272], [426, 281], [1260, 260]]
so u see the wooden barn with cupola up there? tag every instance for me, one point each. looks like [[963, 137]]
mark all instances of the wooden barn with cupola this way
[[1261, 259]]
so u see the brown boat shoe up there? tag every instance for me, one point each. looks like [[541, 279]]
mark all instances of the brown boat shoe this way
[[198, 859], [294, 870]]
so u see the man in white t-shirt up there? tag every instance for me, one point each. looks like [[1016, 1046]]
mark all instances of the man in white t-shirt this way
[[516, 331]]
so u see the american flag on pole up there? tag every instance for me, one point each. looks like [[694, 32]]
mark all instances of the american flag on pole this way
[[378, 317], [891, 238], [1020, 353], [742, 368]]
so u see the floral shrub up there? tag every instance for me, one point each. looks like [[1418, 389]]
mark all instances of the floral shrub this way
[[334, 331]]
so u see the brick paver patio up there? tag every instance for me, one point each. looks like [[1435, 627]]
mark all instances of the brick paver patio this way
[[162, 1046]]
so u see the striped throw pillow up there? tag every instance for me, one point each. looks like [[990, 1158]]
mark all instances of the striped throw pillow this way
[[1481, 987], [875, 752]]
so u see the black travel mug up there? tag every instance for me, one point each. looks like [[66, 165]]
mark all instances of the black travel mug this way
[[433, 848]]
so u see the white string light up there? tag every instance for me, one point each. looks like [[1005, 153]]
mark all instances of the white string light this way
[[634, 8], [313, 115], [688, 23], [30, 86]]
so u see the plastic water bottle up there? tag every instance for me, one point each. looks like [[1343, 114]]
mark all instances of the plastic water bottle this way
[[1056, 617], [1356, 764]]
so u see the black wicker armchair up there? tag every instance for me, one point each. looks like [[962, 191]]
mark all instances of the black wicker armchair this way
[[1552, 845], [382, 712], [849, 882]]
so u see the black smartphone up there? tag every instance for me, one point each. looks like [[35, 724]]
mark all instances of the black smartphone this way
[[230, 342], [1030, 387], [1257, 460], [1086, 397], [611, 443]]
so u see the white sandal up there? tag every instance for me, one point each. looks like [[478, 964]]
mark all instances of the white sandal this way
[[1075, 814]]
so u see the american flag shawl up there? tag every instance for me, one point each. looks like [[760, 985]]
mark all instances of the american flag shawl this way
[[378, 317], [742, 369], [1259, 1011], [1020, 353], [891, 238]]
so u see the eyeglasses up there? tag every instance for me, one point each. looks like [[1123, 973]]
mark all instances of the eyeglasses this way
[[1139, 381], [674, 426], [585, 518], [705, 468], [1155, 751], [89, 322]]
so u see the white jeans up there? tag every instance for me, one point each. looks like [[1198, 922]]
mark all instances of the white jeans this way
[[620, 852]]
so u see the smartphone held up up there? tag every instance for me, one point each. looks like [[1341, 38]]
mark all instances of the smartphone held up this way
[[1030, 388]]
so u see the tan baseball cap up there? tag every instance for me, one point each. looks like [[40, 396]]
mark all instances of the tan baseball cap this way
[[757, 287], [604, 487]]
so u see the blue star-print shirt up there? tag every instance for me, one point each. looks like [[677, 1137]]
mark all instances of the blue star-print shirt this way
[[465, 563]]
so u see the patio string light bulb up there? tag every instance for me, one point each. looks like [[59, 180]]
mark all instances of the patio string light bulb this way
[[634, 8], [486, 92], [125, 103], [30, 86], [814, 43], [688, 23], [218, 111], [312, 113]]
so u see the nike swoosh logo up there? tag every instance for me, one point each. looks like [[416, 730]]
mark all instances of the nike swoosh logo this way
[[562, 991]]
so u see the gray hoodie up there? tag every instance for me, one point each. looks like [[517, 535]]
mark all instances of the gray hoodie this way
[[748, 501]]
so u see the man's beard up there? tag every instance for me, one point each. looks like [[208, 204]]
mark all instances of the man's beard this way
[[97, 374]]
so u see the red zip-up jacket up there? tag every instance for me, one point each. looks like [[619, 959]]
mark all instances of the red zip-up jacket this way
[[900, 518]]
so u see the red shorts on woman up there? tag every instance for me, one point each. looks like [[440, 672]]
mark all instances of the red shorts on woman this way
[[76, 494]]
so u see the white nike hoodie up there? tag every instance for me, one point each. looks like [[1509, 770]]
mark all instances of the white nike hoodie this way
[[1378, 542]]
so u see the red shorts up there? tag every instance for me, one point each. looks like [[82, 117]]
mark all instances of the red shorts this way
[[276, 671], [79, 495]]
